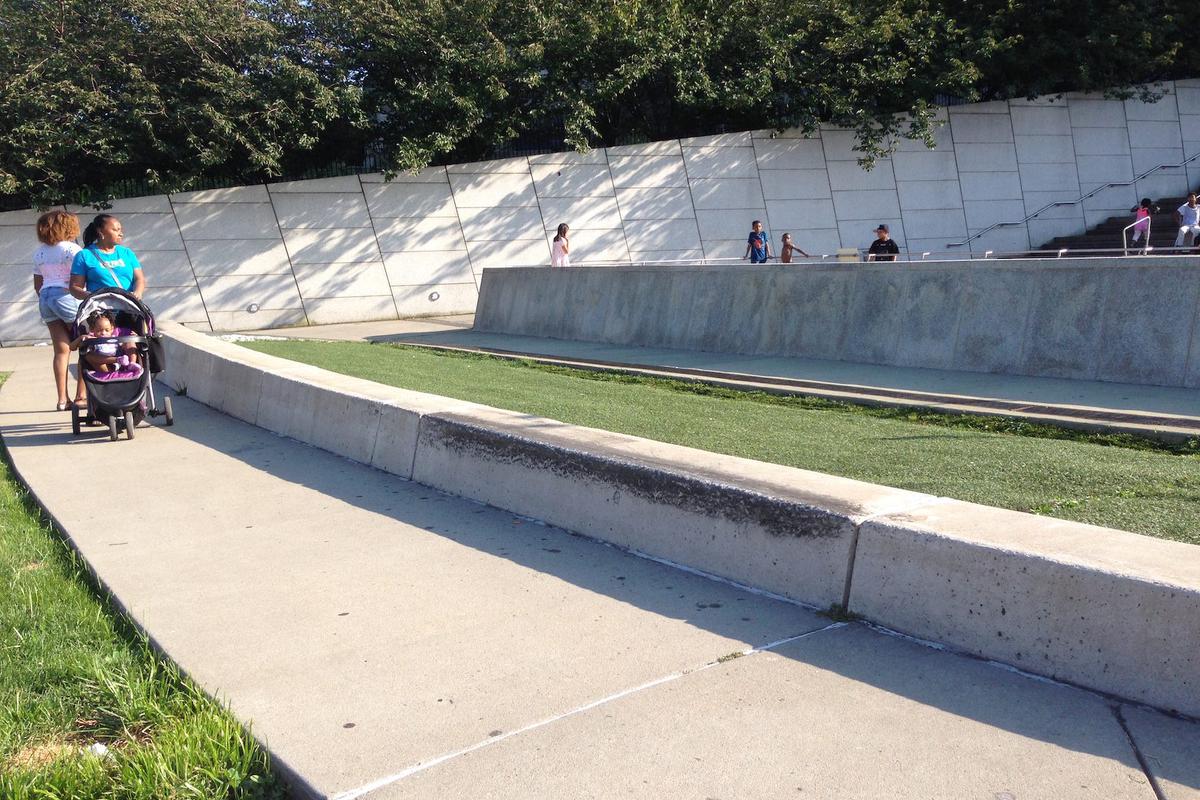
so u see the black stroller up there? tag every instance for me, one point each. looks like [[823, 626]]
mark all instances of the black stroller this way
[[124, 395]]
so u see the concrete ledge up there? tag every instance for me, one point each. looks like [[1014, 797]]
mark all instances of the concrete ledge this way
[[1101, 608], [1082, 318]]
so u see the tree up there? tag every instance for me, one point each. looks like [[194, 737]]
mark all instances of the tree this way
[[156, 91]]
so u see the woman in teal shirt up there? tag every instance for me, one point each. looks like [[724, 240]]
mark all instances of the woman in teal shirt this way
[[104, 261]]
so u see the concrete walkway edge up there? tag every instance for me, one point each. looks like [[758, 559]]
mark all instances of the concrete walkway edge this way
[[1105, 609]]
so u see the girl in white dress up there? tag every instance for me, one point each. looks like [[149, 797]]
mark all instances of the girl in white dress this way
[[560, 247]]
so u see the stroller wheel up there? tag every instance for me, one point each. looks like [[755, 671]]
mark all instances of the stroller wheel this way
[[112, 429], [129, 424], [75, 419], [168, 411]]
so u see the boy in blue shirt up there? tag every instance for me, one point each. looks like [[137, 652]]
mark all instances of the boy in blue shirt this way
[[758, 246]]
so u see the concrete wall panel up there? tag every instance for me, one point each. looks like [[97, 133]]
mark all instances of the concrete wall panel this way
[[167, 268], [239, 257], [492, 189], [419, 234], [802, 215], [498, 166], [342, 280], [1101, 141], [936, 224], [427, 175], [321, 210], [1096, 113], [848, 175], [332, 310], [720, 162], [774, 154], [430, 267], [795, 184], [714, 194], [929, 195], [734, 225], [667, 148], [531, 253], [332, 246], [985, 186], [149, 232], [234, 194], [647, 171], [595, 213], [410, 200], [256, 320], [21, 321], [572, 180], [1045, 149], [589, 245], [644, 203], [223, 220], [662, 234], [986, 156], [496, 224], [1146, 340], [925, 165], [176, 304], [974, 127], [435, 299], [593, 156], [1042, 120], [1064, 327], [341, 184], [236, 293], [866, 205]]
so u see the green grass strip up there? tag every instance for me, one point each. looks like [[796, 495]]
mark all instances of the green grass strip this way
[[1116, 481], [74, 674]]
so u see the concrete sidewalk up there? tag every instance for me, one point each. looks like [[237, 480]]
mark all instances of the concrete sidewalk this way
[[387, 640], [1171, 413]]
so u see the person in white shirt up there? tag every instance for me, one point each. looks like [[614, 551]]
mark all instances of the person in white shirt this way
[[1187, 217], [560, 247], [56, 230]]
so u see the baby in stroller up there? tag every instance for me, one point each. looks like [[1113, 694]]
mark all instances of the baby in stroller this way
[[108, 356]]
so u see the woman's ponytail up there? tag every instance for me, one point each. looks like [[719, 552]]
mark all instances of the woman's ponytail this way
[[91, 234]]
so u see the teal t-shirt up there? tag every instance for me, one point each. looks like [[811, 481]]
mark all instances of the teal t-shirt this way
[[106, 269]]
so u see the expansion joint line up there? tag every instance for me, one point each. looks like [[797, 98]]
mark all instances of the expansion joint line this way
[[421, 766], [1137, 753], [854, 542]]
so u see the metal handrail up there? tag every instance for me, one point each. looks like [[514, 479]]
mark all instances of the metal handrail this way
[[1079, 199], [1125, 234], [904, 256]]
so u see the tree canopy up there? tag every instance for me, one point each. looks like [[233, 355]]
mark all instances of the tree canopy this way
[[174, 92]]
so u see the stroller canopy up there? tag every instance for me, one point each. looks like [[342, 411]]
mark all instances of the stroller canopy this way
[[116, 301]]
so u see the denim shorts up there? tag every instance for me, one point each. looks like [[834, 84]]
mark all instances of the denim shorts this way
[[57, 303]]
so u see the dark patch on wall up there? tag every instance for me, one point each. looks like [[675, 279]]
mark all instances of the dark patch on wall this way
[[650, 483]]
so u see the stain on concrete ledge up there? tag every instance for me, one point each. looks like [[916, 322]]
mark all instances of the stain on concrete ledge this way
[[653, 484]]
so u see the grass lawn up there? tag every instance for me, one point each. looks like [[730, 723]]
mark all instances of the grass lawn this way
[[74, 675], [1115, 481]]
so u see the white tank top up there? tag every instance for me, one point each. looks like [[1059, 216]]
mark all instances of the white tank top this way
[[558, 254]]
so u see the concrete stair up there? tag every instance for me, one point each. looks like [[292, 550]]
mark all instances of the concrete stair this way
[[1107, 234]]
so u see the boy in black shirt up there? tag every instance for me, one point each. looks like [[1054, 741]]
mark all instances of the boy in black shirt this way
[[883, 248]]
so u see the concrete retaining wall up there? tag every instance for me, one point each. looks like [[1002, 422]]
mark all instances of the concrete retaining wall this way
[[359, 248], [1131, 320], [1101, 608]]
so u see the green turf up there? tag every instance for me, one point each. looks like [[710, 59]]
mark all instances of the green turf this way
[[1119, 482], [74, 674]]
